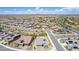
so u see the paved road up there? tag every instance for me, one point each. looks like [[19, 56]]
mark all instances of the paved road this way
[[76, 31], [4, 48], [67, 35], [54, 40]]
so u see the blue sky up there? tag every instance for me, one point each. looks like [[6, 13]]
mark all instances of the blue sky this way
[[40, 10]]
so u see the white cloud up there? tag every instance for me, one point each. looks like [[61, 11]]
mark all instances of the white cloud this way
[[68, 11], [38, 10]]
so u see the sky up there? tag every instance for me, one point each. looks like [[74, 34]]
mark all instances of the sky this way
[[40, 10]]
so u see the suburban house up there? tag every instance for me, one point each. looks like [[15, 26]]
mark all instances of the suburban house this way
[[21, 40]]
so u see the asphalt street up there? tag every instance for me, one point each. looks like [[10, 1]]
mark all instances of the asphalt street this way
[[76, 31], [54, 40]]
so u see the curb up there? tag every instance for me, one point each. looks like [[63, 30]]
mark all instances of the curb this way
[[51, 42], [61, 45]]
